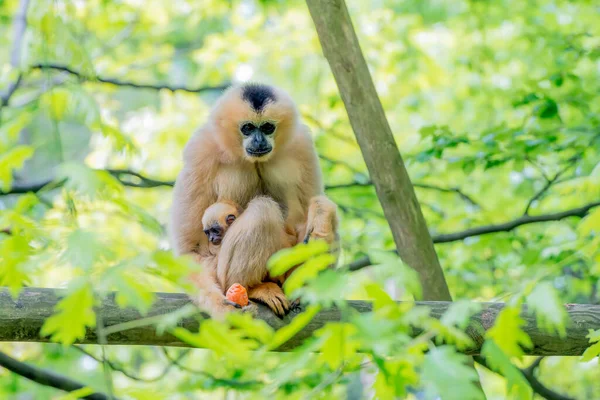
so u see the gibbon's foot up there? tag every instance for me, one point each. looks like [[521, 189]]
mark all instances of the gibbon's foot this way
[[271, 295]]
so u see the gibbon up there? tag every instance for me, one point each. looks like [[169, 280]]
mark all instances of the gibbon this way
[[253, 144]]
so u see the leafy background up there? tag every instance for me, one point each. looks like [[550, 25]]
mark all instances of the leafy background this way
[[495, 109]]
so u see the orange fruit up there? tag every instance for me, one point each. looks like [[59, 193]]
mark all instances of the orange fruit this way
[[238, 294]]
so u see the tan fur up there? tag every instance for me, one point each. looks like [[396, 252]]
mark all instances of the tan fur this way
[[257, 233], [216, 167]]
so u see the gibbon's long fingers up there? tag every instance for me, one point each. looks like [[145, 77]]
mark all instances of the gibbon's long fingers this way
[[271, 295], [231, 303]]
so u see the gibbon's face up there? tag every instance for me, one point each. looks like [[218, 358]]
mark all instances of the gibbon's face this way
[[217, 219], [255, 120]]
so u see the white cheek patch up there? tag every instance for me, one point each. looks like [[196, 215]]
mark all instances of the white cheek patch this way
[[246, 141], [270, 140]]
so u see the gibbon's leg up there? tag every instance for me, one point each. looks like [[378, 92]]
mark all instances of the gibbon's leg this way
[[254, 237], [322, 223], [210, 297]]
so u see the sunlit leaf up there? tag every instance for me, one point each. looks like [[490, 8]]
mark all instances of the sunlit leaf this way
[[499, 361], [11, 161], [285, 259], [74, 314], [550, 313], [446, 374]]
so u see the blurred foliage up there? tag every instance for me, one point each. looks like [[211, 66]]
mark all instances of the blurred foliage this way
[[495, 109]]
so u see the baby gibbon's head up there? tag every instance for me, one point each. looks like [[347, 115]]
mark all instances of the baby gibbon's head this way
[[254, 121], [217, 218]]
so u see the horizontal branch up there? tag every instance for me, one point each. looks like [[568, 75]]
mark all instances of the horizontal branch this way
[[119, 82], [45, 377], [22, 319], [495, 228], [126, 177]]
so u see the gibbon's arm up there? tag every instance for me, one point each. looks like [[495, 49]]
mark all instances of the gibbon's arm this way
[[303, 150], [192, 195]]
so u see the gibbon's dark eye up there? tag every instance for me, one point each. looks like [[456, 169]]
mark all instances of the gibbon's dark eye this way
[[247, 129], [206, 232], [230, 218], [267, 128]]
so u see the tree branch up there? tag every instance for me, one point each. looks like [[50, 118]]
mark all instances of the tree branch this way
[[126, 177], [44, 377], [118, 82], [392, 183], [22, 319], [494, 228]]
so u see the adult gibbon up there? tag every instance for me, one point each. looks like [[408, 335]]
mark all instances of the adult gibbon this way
[[253, 150]]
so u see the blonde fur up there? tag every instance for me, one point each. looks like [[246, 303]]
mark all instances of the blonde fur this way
[[216, 167]]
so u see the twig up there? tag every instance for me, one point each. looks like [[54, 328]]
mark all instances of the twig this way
[[101, 334], [494, 228], [551, 181], [116, 367], [46, 378], [118, 82], [225, 382]]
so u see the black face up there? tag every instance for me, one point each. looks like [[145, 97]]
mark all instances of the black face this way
[[257, 145], [214, 234]]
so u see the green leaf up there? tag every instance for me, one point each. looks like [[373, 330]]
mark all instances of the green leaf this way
[[89, 182], [56, 103], [307, 271], [594, 350], [516, 384], [10, 130], [85, 249], [590, 223], [252, 328], [217, 336], [288, 331], [459, 313], [394, 378], [339, 343], [550, 312], [11, 161], [547, 109], [14, 272], [446, 374], [285, 259], [133, 291], [137, 213], [74, 313], [328, 288], [591, 352], [507, 332]]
